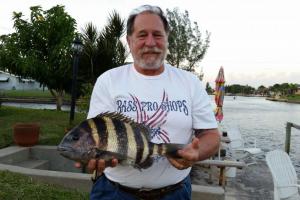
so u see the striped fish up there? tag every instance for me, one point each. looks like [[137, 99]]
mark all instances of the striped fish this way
[[112, 135]]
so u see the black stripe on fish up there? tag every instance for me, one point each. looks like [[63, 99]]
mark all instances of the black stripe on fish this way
[[160, 149], [149, 160], [140, 145], [86, 127], [121, 136], [102, 132]]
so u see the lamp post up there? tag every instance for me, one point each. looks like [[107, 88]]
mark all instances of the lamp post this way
[[77, 48]]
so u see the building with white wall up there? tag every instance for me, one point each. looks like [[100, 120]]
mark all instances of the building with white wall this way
[[11, 82]]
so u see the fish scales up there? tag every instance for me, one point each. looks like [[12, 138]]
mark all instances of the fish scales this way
[[102, 133], [95, 132], [111, 135], [121, 134], [112, 139], [132, 142], [140, 146]]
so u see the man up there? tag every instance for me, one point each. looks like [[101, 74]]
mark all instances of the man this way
[[172, 102]]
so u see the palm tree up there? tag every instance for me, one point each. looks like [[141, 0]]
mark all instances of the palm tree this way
[[111, 52], [90, 36], [102, 50]]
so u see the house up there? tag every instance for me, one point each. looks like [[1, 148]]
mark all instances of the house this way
[[11, 82], [298, 89]]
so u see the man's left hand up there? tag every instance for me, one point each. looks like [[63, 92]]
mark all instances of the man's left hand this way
[[203, 146], [189, 155]]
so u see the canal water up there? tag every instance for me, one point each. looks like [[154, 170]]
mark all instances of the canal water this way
[[254, 116], [264, 120], [36, 106]]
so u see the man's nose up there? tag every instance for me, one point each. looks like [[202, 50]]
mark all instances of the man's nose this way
[[150, 40]]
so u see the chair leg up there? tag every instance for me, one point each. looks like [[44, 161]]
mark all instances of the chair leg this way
[[276, 196]]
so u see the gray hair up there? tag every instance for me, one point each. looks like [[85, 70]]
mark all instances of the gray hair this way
[[150, 9]]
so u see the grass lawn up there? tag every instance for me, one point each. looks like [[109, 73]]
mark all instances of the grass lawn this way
[[16, 186], [52, 128], [29, 93], [53, 123], [294, 97]]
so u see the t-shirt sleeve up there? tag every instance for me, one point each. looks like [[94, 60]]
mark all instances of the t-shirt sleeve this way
[[202, 110], [101, 100]]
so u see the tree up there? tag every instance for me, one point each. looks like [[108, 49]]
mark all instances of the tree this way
[[111, 51], [208, 89], [275, 88], [262, 90], [90, 37], [102, 50], [186, 46], [40, 48], [293, 88], [284, 89], [239, 89], [8, 52]]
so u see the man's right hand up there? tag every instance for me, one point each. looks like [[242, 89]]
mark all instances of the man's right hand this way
[[100, 165]]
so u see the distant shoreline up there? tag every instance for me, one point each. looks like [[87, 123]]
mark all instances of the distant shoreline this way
[[283, 100]]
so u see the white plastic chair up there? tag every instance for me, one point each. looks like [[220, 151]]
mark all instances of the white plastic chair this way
[[237, 145], [284, 175]]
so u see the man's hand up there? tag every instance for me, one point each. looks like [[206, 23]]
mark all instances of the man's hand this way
[[100, 165], [190, 155], [203, 146]]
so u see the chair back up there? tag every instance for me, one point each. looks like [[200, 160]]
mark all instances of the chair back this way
[[283, 173]]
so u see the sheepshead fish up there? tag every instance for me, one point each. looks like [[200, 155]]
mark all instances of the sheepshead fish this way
[[112, 135]]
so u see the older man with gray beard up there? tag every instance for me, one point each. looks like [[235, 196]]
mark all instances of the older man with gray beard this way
[[170, 101]]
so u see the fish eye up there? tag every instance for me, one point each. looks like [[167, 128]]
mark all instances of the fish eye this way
[[75, 137]]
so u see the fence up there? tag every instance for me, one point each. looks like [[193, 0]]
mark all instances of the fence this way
[[289, 126]]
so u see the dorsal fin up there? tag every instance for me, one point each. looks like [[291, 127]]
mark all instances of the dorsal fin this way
[[121, 117], [115, 115]]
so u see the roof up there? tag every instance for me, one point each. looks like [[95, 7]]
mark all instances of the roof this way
[[4, 79]]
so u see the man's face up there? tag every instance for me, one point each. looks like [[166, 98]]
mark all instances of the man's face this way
[[148, 42]]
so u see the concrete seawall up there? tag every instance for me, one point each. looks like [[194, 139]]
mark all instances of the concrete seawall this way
[[44, 164]]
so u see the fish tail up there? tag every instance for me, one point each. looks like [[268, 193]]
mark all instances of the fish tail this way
[[167, 149]]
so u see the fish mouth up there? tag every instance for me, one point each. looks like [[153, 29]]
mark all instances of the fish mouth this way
[[73, 154], [68, 152], [64, 149]]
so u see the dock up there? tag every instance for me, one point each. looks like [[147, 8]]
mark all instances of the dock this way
[[253, 182]]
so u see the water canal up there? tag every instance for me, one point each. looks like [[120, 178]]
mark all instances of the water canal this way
[[264, 120]]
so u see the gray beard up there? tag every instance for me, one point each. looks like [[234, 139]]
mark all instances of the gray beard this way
[[155, 64]]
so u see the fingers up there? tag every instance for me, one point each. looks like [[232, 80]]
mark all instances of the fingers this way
[[114, 162], [77, 165], [101, 164], [195, 143], [98, 165], [180, 163], [191, 152]]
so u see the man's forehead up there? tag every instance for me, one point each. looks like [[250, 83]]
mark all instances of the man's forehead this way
[[148, 22]]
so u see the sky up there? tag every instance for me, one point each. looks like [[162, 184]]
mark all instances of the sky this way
[[256, 41]]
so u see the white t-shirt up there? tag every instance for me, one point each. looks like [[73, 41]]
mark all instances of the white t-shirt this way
[[172, 104]]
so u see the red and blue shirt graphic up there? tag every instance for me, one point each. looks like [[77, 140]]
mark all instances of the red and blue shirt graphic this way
[[153, 114]]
